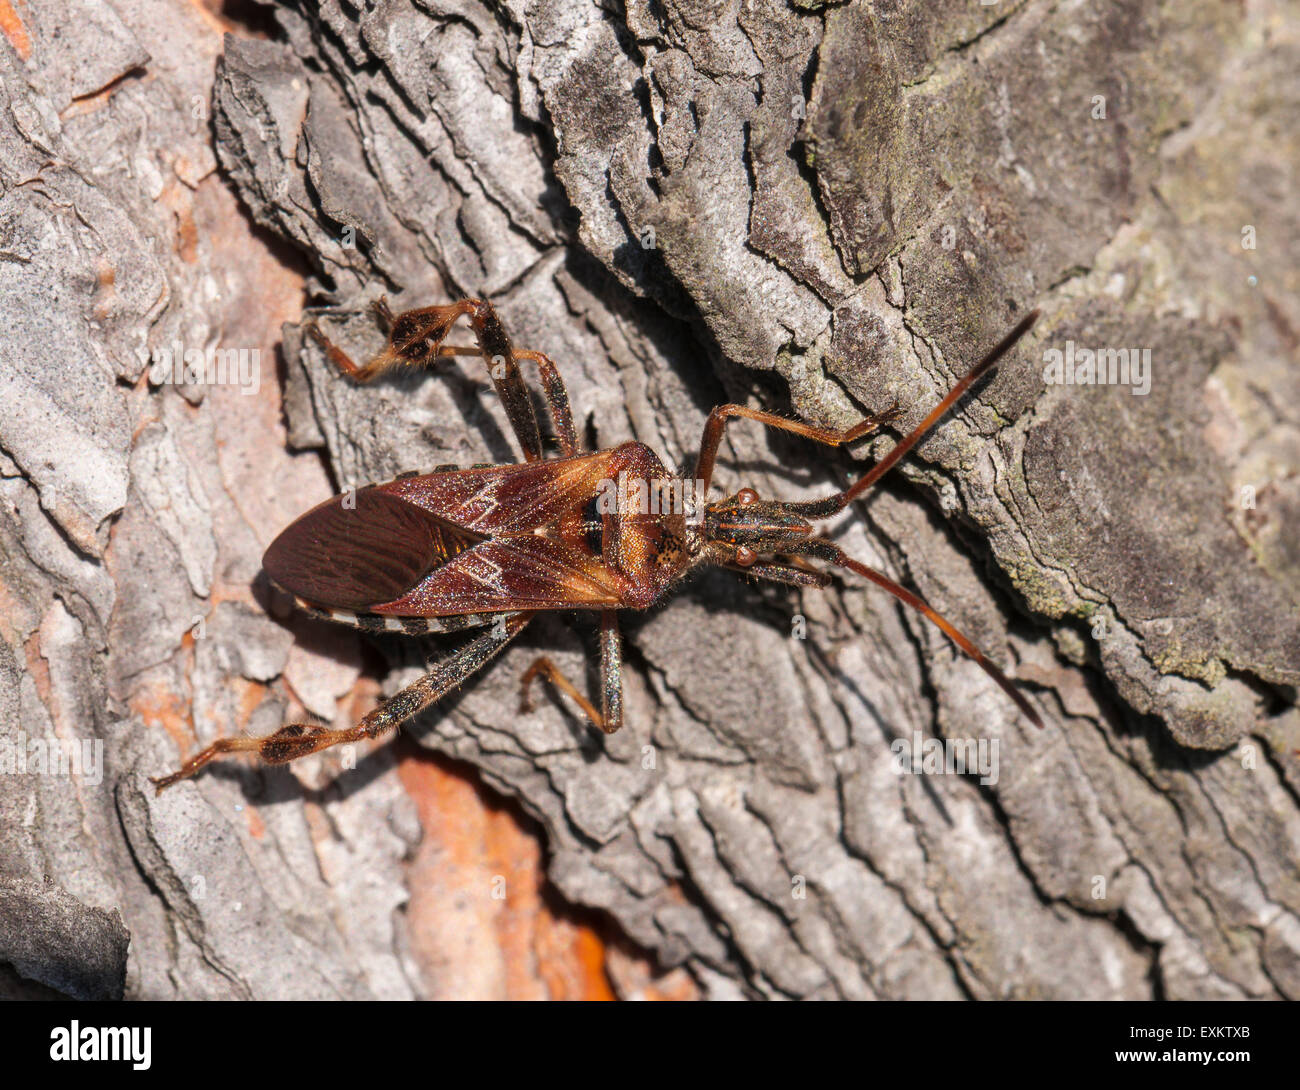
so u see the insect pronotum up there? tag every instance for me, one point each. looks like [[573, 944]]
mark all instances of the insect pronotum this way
[[489, 547]]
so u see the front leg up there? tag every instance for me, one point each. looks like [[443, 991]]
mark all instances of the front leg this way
[[299, 739], [717, 423]]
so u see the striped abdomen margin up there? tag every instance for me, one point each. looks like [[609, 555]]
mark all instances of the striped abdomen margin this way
[[378, 622]]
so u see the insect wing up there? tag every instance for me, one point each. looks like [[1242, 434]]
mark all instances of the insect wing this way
[[530, 572], [366, 547], [428, 545], [506, 500]]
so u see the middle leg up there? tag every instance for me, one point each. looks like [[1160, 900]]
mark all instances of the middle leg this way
[[610, 717]]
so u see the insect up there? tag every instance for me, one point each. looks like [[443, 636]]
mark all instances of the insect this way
[[489, 547]]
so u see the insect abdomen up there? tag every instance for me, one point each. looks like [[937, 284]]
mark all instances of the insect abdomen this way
[[379, 622]]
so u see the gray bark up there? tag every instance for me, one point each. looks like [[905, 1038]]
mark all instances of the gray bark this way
[[810, 208]]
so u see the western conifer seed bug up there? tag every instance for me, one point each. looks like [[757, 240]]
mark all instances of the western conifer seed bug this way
[[491, 546]]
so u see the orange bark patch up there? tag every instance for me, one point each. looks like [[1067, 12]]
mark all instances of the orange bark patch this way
[[9, 612], [177, 198], [37, 667], [479, 923], [12, 28], [250, 701], [158, 706], [106, 278], [256, 826]]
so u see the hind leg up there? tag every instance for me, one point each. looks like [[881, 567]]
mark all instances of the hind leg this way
[[415, 339], [299, 739]]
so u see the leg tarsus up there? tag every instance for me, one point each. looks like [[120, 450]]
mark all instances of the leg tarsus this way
[[545, 668], [336, 355]]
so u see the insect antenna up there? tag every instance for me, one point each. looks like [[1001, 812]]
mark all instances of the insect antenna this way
[[832, 553]]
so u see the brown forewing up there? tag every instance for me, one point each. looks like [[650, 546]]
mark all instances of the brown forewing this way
[[351, 553], [507, 500], [508, 574], [440, 544], [516, 567]]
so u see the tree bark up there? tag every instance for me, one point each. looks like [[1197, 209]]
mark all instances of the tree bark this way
[[815, 209]]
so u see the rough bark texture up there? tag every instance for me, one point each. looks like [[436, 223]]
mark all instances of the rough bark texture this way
[[813, 208]]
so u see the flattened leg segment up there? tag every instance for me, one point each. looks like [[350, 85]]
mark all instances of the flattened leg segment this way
[[503, 368], [296, 740], [557, 401], [415, 340], [611, 670]]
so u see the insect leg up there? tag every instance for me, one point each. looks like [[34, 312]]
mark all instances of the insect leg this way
[[415, 340], [820, 509], [611, 670], [717, 423], [553, 390], [544, 667], [791, 574], [610, 718], [826, 550], [831, 504], [557, 400], [296, 740]]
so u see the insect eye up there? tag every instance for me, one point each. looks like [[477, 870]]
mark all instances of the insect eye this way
[[746, 496], [745, 556]]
